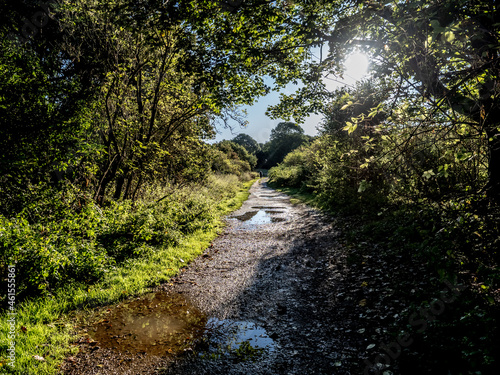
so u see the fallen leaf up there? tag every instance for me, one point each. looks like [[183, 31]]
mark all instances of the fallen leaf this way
[[362, 302]]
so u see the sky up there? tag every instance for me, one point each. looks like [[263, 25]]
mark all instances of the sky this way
[[259, 125]]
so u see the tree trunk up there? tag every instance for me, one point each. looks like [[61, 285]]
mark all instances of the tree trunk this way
[[126, 195], [139, 182], [108, 175], [101, 192], [120, 181]]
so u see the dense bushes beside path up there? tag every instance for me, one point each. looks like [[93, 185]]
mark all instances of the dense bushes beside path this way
[[63, 246]]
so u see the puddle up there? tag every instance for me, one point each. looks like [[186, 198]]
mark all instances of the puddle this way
[[165, 324], [246, 216], [262, 216], [269, 207], [229, 337], [156, 324]]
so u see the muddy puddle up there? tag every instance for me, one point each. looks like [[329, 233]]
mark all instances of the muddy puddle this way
[[155, 324], [263, 215], [166, 324]]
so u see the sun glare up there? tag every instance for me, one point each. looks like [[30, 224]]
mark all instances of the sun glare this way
[[356, 66]]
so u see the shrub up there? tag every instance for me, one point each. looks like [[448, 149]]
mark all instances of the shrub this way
[[81, 246]]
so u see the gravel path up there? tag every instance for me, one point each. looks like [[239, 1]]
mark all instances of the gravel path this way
[[277, 268], [284, 276]]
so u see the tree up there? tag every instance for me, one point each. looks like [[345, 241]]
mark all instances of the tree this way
[[285, 137], [441, 55], [248, 142], [236, 151], [43, 107], [356, 102]]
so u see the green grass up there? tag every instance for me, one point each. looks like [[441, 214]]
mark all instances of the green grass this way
[[42, 324]]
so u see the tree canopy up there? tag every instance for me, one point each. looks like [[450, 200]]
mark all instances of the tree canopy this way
[[169, 70], [285, 137], [441, 58], [248, 142]]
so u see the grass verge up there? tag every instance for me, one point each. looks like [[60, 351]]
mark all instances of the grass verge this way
[[42, 331]]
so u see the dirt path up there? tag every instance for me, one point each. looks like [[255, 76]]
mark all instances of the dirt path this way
[[274, 279]]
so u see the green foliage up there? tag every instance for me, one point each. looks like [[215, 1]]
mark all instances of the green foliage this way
[[285, 137], [330, 169], [114, 98], [248, 142], [43, 130], [233, 158], [50, 254], [295, 169], [67, 246], [438, 58]]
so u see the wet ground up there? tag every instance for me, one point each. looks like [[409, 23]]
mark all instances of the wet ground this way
[[269, 297]]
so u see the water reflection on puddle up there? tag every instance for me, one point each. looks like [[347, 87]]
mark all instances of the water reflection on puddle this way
[[235, 337], [264, 215]]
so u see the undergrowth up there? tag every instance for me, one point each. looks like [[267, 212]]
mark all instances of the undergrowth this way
[[415, 243]]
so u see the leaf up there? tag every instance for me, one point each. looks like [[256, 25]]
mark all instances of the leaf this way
[[437, 26], [449, 36], [371, 346], [428, 174], [350, 127], [347, 105], [363, 185]]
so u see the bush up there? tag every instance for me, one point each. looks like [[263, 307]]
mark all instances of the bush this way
[[51, 254], [81, 246]]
